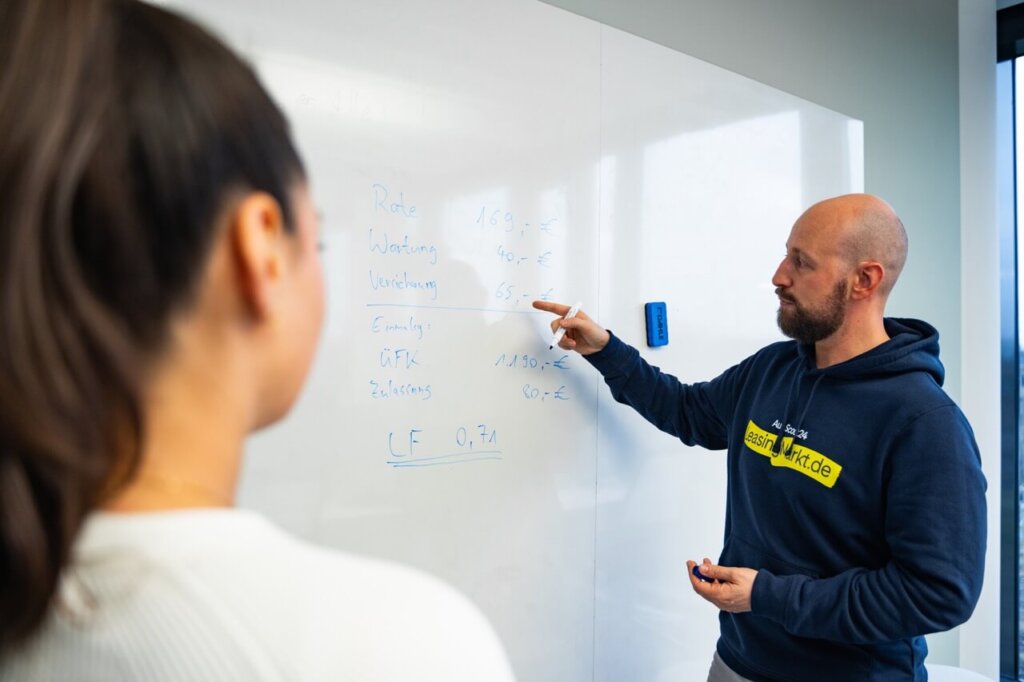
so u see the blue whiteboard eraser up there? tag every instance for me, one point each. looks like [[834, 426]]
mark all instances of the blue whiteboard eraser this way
[[657, 323]]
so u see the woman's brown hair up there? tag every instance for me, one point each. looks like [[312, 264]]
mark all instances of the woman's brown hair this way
[[124, 129]]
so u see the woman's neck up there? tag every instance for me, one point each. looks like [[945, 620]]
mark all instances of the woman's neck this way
[[195, 423]]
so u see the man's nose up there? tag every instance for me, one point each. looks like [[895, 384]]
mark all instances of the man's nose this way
[[781, 278]]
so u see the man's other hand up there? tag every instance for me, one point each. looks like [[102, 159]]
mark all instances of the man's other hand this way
[[729, 589]]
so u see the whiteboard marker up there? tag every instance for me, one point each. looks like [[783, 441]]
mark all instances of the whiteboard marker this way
[[700, 576], [560, 332]]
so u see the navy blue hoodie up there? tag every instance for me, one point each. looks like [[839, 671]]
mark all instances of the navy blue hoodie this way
[[855, 491]]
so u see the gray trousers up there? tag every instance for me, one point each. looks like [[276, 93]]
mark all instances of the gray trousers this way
[[720, 672]]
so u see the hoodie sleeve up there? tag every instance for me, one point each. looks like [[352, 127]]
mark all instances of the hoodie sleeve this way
[[935, 529], [697, 414]]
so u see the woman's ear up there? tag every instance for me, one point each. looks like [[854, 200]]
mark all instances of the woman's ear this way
[[258, 239]]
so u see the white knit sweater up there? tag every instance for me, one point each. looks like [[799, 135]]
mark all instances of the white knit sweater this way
[[224, 595]]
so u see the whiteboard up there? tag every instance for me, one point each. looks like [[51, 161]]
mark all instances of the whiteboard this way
[[468, 157]]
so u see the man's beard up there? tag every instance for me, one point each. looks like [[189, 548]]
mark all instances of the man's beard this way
[[810, 326]]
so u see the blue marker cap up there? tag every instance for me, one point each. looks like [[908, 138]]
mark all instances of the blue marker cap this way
[[700, 576]]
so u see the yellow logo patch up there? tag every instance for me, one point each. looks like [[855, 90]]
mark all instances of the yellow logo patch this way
[[803, 460]]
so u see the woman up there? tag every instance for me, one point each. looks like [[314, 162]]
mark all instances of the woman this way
[[160, 298]]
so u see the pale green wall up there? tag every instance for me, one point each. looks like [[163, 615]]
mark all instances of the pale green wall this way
[[892, 64]]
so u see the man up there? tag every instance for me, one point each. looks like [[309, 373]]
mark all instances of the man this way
[[855, 521]]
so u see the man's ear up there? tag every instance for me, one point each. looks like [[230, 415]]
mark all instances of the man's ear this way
[[869, 275], [257, 238]]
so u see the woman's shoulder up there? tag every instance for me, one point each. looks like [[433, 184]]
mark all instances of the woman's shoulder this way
[[316, 610]]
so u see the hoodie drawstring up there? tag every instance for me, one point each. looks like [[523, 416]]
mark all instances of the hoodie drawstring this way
[[807, 406], [785, 412]]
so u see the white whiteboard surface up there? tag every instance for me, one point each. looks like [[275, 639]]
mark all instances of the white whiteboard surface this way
[[467, 157]]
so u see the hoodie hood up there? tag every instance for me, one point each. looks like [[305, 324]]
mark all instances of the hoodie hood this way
[[913, 346]]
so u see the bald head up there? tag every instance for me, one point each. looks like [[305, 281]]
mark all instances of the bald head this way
[[864, 228]]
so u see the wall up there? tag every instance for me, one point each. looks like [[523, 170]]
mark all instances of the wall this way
[[895, 66], [979, 640]]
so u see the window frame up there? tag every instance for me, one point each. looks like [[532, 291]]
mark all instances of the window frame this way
[[1010, 46]]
